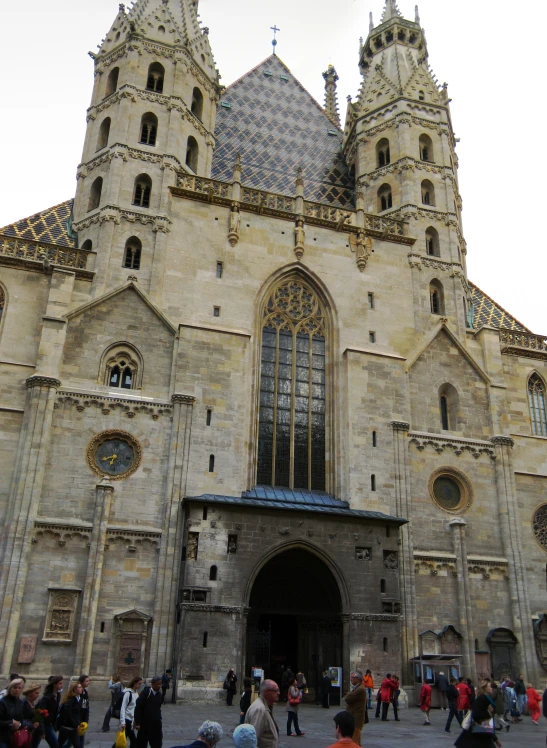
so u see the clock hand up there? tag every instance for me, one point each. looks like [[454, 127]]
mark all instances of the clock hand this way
[[111, 459]]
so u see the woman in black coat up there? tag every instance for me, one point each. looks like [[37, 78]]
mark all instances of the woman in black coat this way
[[51, 701], [14, 712], [245, 701], [70, 715], [231, 686]]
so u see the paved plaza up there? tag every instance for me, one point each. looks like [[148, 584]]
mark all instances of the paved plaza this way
[[180, 723]]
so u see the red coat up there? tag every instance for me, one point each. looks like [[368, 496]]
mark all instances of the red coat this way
[[425, 698], [463, 702], [533, 698], [387, 689]]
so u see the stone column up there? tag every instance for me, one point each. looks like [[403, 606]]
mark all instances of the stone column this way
[[163, 631], [409, 643], [512, 550], [104, 492], [24, 500], [458, 526]]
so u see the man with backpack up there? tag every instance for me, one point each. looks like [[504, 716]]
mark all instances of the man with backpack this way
[[147, 718], [115, 687]]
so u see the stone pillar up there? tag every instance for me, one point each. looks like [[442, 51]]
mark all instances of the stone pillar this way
[[104, 493], [163, 631], [458, 526], [409, 643], [512, 550], [24, 501]]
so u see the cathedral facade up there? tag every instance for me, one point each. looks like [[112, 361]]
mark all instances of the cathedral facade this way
[[174, 492]]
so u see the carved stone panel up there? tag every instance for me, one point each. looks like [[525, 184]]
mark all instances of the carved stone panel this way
[[27, 650], [60, 615]]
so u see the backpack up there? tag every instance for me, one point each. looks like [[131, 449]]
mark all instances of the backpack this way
[[117, 708]]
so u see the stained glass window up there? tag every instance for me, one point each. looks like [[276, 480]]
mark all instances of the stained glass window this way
[[536, 397], [291, 441]]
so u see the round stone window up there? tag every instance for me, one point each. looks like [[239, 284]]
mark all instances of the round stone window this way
[[451, 490], [539, 523]]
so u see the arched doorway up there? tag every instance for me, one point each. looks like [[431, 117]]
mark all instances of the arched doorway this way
[[502, 644], [295, 617]]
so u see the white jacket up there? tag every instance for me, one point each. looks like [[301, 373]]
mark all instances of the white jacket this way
[[127, 712]]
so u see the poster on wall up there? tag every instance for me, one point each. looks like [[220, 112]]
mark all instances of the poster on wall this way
[[335, 674]]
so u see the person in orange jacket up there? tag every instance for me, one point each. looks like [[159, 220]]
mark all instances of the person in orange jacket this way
[[425, 702], [368, 682]]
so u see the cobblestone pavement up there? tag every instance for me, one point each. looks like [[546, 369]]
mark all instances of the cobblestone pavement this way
[[180, 723]]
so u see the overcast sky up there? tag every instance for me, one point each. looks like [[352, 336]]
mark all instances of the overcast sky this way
[[491, 55]]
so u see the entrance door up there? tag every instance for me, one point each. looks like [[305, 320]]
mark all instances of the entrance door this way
[[502, 647], [295, 618]]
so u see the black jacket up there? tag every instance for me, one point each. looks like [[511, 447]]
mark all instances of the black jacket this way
[[245, 701], [50, 702], [10, 709], [231, 681], [520, 687], [452, 693], [477, 737], [442, 683], [84, 706], [71, 713], [545, 703], [148, 707]]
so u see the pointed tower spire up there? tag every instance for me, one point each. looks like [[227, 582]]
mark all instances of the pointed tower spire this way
[[390, 11], [370, 22], [331, 97], [416, 15]]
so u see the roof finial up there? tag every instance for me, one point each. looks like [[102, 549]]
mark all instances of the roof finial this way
[[417, 14], [331, 97], [370, 22], [390, 11], [274, 40]]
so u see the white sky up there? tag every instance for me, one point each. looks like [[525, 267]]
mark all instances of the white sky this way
[[490, 54]]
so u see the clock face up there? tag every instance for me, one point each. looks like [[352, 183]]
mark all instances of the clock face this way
[[116, 454]]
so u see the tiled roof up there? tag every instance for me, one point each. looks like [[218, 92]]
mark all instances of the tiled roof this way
[[488, 312], [277, 126], [265, 497], [47, 226]]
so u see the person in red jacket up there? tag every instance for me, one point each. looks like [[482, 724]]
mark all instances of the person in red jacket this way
[[463, 702], [425, 702], [385, 696], [533, 698]]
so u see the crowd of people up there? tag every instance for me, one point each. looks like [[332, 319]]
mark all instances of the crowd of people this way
[[60, 716]]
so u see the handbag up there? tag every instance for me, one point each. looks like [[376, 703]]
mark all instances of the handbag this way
[[295, 700], [467, 721], [21, 738], [225, 684]]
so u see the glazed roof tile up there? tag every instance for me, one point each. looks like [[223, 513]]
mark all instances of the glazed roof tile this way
[[50, 225], [277, 126], [492, 314]]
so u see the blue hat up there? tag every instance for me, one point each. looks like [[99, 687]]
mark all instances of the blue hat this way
[[245, 736]]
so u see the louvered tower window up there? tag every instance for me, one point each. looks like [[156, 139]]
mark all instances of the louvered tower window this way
[[536, 397], [291, 442]]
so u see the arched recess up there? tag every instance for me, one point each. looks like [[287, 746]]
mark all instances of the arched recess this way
[[131, 642], [197, 103], [428, 193], [426, 148], [296, 271], [383, 155], [3, 304], [432, 242], [124, 356], [436, 297], [502, 643], [112, 82], [302, 622], [536, 402], [449, 406]]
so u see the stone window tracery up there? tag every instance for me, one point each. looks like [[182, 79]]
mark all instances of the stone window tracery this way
[[121, 366], [60, 615], [539, 523], [450, 489], [536, 399], [291, 441], [154, 80]]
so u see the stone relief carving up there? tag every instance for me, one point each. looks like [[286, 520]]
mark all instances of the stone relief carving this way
[[391, 560], [60, 615], [362, 554], [440, 443]]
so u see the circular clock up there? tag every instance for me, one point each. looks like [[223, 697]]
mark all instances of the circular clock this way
[[115, 454]]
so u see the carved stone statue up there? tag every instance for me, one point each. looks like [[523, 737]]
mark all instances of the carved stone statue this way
[[233, 231], [192, 547], [391, 561]]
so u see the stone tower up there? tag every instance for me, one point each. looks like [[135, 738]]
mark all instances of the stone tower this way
[[399, 141], [152, 115]]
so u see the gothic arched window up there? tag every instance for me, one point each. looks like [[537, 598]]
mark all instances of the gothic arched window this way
[[291, 440], [142, 191], [154, 80], [536, 398], [149, 129], [132, 254], [121, 366]]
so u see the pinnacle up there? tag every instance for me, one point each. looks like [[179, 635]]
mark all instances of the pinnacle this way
[[331, 97], [391, 11], [183, 12]]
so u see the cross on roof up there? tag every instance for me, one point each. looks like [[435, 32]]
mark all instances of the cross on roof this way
[[274, 41]]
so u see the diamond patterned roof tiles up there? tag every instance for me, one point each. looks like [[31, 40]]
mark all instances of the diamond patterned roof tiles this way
[[488, 312], [277, 126], [47, 226]]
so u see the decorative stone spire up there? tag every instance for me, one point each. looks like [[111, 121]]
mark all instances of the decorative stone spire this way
[[370, 22], [391, 11], [331, 97], [416, 15], [184, 14]]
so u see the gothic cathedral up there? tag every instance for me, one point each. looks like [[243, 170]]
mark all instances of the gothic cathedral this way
[[253, 412]]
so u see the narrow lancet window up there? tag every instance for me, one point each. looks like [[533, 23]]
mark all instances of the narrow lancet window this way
[[536, 398]]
